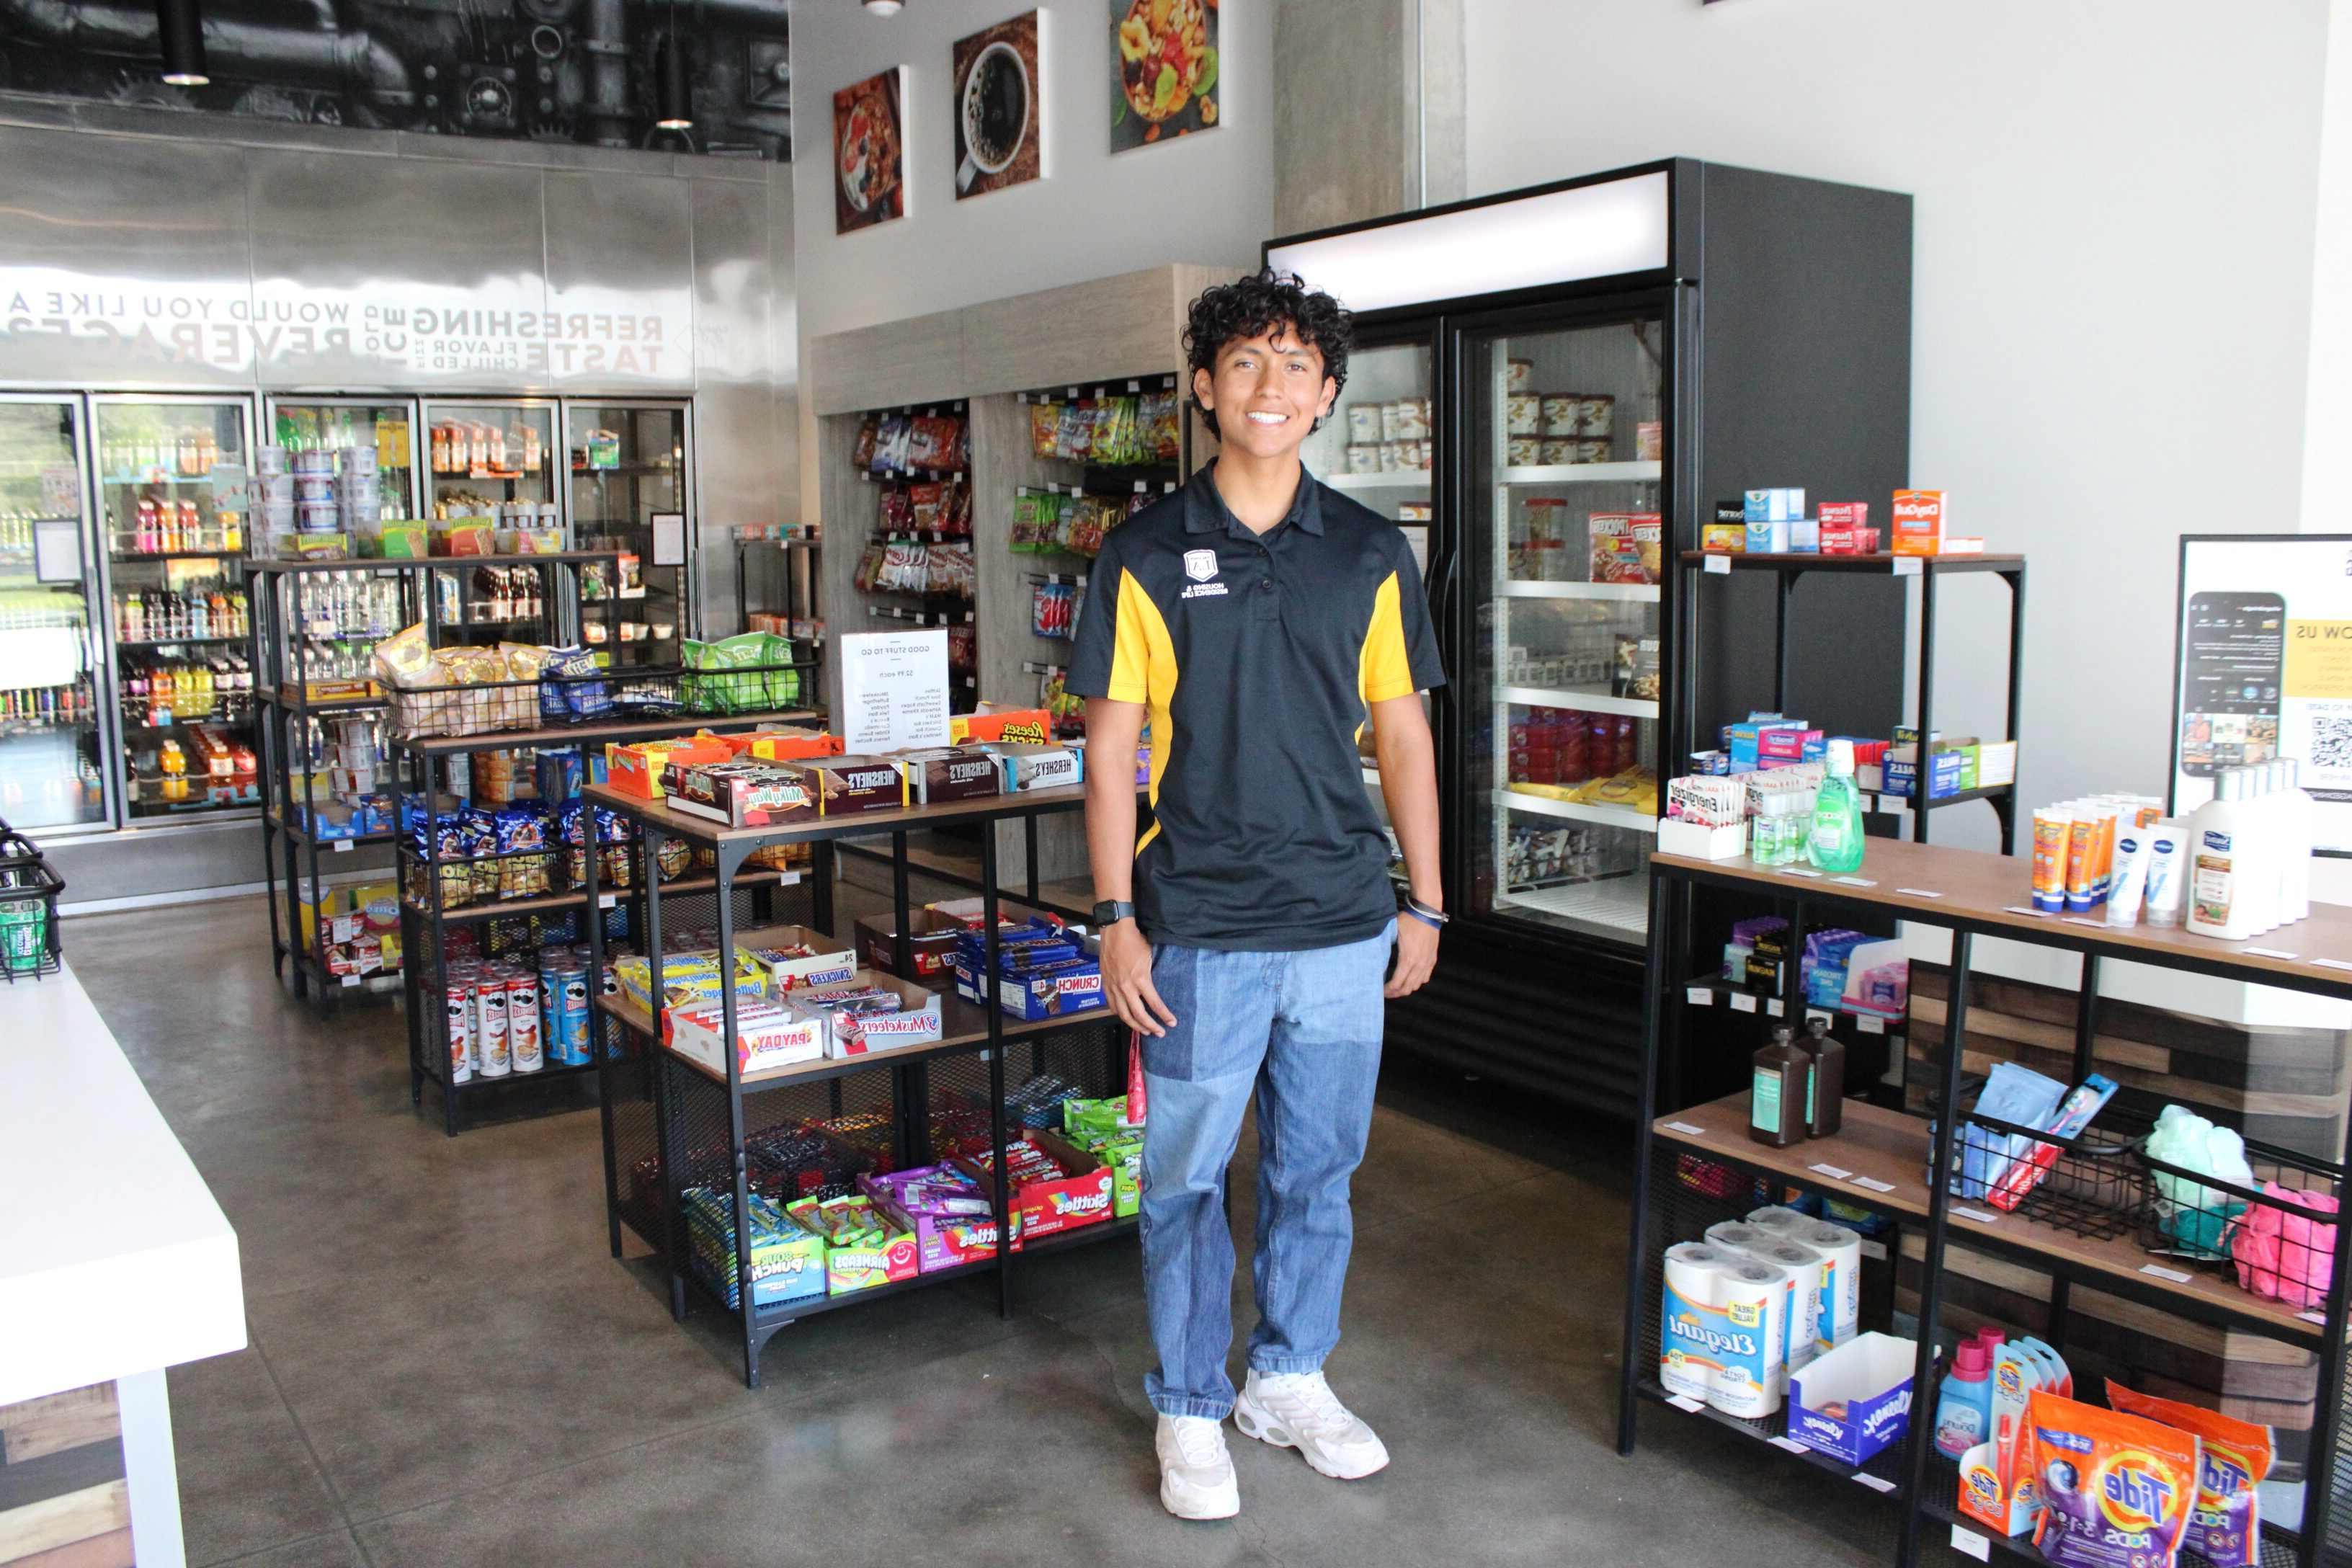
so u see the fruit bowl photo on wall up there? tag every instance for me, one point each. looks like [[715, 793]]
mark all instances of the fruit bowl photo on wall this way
[[869, 153], [1165, 55]]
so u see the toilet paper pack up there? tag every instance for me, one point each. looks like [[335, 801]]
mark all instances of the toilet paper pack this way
[[1749, 1377], [1686, 1360], [1839, 1301]]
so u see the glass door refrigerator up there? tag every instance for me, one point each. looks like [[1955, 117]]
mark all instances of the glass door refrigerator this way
[[172, 475], [631, 493], [331, 424], [53, 729], [1613, 355]]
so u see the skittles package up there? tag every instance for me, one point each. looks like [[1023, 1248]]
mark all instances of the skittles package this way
[[2225, 1524], [2116, 1490]]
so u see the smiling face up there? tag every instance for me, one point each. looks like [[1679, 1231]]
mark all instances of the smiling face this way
[[1268, 392]]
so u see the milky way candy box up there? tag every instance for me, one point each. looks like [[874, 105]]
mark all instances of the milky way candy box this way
[[951, 773], [846, 785]]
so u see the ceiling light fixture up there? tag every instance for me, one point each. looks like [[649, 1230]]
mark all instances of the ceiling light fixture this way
[[181, 32], [883, 8], [674, 107]]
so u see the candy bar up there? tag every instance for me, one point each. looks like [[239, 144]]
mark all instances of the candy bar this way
[[1034, 767], [846, 785], [741, 795], [951, 773]]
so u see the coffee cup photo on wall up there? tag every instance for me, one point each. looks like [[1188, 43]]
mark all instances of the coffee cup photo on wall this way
[[999, 121]]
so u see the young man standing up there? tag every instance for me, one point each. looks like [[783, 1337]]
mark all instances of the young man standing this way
[[1257, 621]]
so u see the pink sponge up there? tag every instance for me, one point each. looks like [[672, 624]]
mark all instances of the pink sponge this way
[[2281, 1253]]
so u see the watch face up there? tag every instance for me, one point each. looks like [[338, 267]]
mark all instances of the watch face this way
[[1107, 912]]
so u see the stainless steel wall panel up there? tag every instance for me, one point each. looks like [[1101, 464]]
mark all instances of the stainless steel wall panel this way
[[620, 278], [398, 273], [735, 481], [126, 262], [747, 463]]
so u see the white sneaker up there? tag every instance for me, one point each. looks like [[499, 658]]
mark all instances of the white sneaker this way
[[1196, 1474], [1299, 1410]]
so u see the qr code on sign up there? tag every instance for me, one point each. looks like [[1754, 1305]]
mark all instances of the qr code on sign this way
[[2331, 740]]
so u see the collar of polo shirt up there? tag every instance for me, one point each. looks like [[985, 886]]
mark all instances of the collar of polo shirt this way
[[1205, 509]]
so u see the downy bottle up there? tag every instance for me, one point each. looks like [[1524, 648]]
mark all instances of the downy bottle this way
[[1836, 842], [2216, 882]]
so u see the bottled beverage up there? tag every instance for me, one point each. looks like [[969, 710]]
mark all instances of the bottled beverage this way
[[531, 447]]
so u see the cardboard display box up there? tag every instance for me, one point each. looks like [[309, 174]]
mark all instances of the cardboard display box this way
[[845, 785], [1046, 1208], [766, 1034], [942, 773], [941, 1241], [1870, 1375], [1032, 726], [931, 942], [916, 1023], [762, 952]]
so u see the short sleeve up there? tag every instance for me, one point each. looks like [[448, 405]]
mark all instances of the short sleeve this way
[[1401, 645], [1111, 658]]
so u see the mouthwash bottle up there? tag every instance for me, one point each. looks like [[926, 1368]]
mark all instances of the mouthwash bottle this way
[[1835, 844]]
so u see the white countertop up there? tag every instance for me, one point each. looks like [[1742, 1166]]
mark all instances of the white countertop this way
[[114, 1259]]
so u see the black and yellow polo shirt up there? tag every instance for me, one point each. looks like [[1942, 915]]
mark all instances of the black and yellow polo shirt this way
[[1256, 656]]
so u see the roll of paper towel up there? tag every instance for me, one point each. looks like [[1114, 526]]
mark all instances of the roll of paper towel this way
[[1800, 1266], [1783, 1220], [1751, 1329], [1738, 1236], [1841, 1292], [1686, 1355]]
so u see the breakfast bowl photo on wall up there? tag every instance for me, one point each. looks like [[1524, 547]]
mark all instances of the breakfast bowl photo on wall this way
[[868, 153], [999, 121], [1165, 64]]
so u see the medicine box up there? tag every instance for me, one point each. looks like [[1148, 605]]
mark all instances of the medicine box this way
[[1767, 536], [1920, 520], [1805, 535], [1724, 538], [1945, 768], [1870, 1376]]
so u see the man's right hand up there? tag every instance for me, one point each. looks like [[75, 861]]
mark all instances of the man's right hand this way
[[1127, 980]]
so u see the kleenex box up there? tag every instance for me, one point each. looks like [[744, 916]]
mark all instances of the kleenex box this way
[[1870, 1375]]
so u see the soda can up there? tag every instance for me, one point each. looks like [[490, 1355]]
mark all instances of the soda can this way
[[490, 1055], [571, 1012], [460, 997], [525, 1045]]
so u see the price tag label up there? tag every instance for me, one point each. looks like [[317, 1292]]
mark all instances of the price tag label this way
[[1719, 565], [606, 900], [2331, 963], [1741, 1002], [1855, 882], [1969, 1543], [1795, 871], [1873, 1482], [1980, 1216], [2160, 1272], [1834, 1173], [1685, 1402], [1790, 1444], [1874, 1249], [1135, 386], [1814, 1013], [2080, 921], [350, 981], [1772, 1005], [2319, 1317], [1873, 1184], [2268, 952], [2023, 910], [342, 846], [1686, 1129], [1906, 565], [1698, 996], [1920, 892], [1868, 1025]]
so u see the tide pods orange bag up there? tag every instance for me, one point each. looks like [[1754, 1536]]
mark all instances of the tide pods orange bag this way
[[2116, 1490], [2225, 1523]]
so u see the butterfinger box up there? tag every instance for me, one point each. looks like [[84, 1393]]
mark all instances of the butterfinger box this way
[[951, 772], [1046, 1208], [638, 769], [844, 786]]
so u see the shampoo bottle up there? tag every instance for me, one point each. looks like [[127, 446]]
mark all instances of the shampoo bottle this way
[[2217, 863], [1836, 842], [1776, 1112], [1964, 1408], [2296, 810], [1825, 1086]]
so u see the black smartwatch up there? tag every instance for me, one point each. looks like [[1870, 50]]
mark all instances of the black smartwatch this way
[[1111, 911]]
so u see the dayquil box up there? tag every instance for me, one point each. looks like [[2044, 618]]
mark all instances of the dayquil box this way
[[1920, 519]]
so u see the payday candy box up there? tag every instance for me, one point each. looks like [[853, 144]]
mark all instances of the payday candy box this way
[[766, 1034], [951, 772], [1046, 1208], [741, 795], [843, 786]]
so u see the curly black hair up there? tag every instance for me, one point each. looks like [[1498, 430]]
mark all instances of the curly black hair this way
[[1248, 307]]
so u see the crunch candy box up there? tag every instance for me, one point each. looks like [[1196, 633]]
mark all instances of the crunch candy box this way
[[2116, 1490]]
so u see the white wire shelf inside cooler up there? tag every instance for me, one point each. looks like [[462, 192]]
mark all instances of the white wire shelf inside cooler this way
[[1625, 817], [1395, 479], [1614, 904], [1582, 474], [1622, 593], [1588, 702]]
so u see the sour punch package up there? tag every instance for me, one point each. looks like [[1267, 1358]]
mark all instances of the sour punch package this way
[[2116, 1490], [2225, 1524]]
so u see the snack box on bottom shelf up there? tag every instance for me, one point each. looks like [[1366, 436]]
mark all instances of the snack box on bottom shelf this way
[[881, 1253], [943, 1238], [990, 723], [914, 1021], [787, 1259], [766, 1034], [774, 954], [1855, 1400], [1082, 1197]]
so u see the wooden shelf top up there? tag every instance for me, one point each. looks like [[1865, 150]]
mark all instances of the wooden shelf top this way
[[1882, 563], [1995, 892], [658, 816], [1889, 1147]]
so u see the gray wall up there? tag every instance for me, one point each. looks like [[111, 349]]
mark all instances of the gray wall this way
[[170, 251], [1369, 121]]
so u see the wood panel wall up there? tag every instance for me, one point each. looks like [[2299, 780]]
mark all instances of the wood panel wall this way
[[63, 1501]]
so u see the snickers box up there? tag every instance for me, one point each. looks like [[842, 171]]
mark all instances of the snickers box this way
[[771, 954], [739, 795], [1039, 767], [951, 773], [844, 786]]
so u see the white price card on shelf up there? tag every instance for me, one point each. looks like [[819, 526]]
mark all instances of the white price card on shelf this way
[[1719, 563], [342, 846], [1875, 1483], [1920, 892], [2319, 1317], [1980, 1216], [1970, 1543], [350, 981], [1772, 1005], [1868, 1025], [1873, 1184], [2083, 921], [1906, 565], [607, 901], [2331, 963], [1698, 996], [2160, 1272], [1874, 1249], [1741, 1002], [1814, 1013], [1685, 1402], [1800, 871], [894, 690], [2266, 952], [1788, 1444], [1686, 1129], [1855, 882], [1834, 1173], [2023, 910]]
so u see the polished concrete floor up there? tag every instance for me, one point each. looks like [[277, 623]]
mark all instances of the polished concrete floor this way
[[446, 1367]]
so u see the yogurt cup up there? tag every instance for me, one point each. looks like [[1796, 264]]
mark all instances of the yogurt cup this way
[[1561, 413], [1364, 423]]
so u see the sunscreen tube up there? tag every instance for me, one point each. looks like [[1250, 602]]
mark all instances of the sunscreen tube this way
[[2164, 867], [2131, 876], [2051, 826], [2082, 859]]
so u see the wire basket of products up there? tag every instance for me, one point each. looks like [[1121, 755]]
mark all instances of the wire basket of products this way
[[753, 672], [30, 943], [2086, 1183], [2265, 1216]]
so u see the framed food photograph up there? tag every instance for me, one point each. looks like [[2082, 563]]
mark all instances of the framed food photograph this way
[[869, 151], [1164, 60], [999, 120]]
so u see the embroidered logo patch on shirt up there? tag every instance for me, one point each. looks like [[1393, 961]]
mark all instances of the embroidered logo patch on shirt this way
[[1200, 565]]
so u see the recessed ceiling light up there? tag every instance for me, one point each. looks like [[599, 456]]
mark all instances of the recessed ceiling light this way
[[884, 7]]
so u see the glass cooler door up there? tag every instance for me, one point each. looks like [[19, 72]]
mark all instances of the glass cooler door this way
[[1566, 551], [493, 460], [51, 725], [628, 468], [173, 477], [1379, 448], [331, 424]]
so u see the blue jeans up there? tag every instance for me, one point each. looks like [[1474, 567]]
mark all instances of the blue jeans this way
[[1303, 1031]]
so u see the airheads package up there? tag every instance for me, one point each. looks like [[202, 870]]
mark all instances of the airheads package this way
[[2116, 1490], [2224, 1524]]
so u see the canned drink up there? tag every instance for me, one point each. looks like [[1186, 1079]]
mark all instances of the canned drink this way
[[491, 1058], [526, 1047], [459, 1000]]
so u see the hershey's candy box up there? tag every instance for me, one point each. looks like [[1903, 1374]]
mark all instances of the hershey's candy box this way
[[1040, 767], [951, 773]]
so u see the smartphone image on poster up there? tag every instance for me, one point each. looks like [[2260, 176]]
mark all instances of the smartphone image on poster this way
[[2233, 658]]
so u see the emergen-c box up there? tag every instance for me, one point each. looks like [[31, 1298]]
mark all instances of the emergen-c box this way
[[1869, 1377]]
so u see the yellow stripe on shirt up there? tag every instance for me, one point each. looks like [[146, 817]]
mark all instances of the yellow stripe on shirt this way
[[1143, 670], [1385, 670]]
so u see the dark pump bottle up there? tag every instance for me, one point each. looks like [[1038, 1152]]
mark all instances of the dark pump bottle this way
[[1825, 1088], [1776, 1114]]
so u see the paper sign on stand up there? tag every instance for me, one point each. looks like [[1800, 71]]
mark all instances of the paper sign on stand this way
[[894, 690]]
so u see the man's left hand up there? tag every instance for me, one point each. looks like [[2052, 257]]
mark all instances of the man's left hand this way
[[1416, 955]]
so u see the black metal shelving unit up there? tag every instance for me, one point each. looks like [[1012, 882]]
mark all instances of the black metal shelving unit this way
[[1880, 1158], [670, 1124]]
